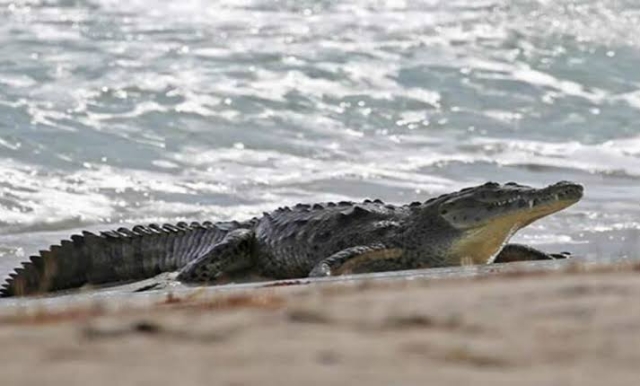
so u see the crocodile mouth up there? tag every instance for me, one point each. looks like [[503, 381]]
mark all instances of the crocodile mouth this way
[[520, 204], [559, 195]]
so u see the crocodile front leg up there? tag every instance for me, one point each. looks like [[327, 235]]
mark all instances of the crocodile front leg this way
[[519, 252], [234, 253], [351, 259]]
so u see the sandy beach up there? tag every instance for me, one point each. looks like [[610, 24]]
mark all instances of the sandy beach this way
[[578, 326]]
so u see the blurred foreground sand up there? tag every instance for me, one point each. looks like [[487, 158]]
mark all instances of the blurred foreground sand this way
[[567, 328]]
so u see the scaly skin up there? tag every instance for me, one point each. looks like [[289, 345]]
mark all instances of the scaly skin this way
[[471, 226]]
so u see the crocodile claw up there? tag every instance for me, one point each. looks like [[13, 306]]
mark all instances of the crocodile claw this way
[[561, 255], [320, 270]]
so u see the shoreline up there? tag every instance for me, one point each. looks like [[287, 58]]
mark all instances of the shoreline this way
[[580, 325]]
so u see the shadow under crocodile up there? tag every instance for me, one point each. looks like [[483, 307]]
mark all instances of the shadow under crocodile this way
[[158, 288]]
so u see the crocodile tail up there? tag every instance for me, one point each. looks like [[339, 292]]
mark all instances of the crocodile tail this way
[[112, 256]]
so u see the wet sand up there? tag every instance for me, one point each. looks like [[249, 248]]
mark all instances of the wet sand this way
[[575, 326]]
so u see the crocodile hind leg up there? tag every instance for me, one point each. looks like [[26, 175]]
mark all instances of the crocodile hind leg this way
[[234, 253], [519, 252], [352, 260]]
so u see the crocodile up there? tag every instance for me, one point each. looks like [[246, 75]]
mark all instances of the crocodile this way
[[470, 226]]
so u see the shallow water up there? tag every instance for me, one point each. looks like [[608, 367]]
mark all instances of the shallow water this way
[[146, 111]]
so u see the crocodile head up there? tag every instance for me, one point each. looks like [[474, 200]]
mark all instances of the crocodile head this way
[[483, 218]]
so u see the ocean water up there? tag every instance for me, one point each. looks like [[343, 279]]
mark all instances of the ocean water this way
[[154, 111]]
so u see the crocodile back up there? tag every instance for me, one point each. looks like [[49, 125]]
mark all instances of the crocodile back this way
[[292, 240]]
